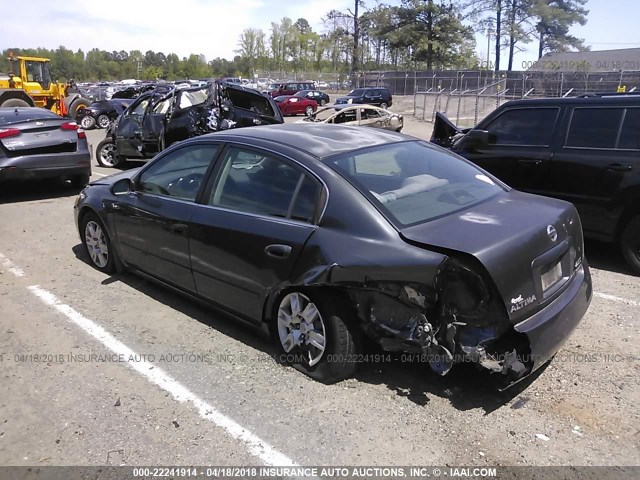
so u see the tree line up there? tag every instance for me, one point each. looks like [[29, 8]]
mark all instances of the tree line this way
[[417, 34]]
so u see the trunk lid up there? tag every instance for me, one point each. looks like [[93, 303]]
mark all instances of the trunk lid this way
[[529, 245], [40, 137]]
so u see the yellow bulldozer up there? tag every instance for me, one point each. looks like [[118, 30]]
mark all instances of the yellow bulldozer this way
[[28, 83]]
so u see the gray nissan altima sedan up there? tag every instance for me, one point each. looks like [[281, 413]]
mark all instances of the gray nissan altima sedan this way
[[325, 233]]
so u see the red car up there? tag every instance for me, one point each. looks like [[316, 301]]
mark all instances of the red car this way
[[293, 105]]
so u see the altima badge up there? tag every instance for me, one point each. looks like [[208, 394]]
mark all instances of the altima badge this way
[[553, 234]]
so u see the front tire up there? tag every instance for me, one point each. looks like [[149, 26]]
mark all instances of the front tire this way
[[630, 244], [106, 154], [97, 243], [311, 333]]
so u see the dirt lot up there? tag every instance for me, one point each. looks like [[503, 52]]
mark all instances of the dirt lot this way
[[212, 394]]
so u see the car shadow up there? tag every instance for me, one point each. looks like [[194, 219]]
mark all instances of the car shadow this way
[[606, 256], [28, 191], [466, 386]]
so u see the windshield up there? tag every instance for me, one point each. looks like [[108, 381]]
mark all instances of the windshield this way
[[412, 182]]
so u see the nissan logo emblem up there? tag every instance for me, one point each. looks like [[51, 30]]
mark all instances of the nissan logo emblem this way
[[553, 234]]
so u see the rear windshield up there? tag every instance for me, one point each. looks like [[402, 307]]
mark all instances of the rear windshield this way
[[412, 182], [10, 115]]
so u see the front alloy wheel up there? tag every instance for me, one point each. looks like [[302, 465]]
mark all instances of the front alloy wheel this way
[[97, 243]]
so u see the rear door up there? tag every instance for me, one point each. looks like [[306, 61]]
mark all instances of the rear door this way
[[520, 147], [256, 217], [597, 157]]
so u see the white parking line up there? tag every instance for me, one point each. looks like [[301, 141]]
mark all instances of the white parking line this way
[[9, 265], [100, 174], [613, 298], [255, 445]]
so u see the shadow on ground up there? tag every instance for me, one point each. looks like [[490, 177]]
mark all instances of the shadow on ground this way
[[466, 386], [28, 191]]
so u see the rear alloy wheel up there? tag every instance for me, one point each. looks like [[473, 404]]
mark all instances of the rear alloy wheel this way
[[630, 244], [308, 111], [313, 336], [323, 102], [384, 105], [103, 121], [106, 154], [88, 122], [97, 244]]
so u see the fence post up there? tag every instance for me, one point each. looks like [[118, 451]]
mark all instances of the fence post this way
[[424, 110], [458, 109], [475, 113]]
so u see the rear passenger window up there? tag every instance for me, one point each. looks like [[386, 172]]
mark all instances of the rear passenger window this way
[[258, 183], [594, 127], [523, 126], [630, 134]]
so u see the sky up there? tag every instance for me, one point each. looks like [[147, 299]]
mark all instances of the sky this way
[[213, 27]]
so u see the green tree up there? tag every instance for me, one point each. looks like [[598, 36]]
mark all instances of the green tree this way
[[553, 21]]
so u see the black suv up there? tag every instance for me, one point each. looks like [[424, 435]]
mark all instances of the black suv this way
[[584, 149], [378, 96]]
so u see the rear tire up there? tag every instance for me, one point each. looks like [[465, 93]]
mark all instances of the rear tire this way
[[299, 316], [323, 102], [88, 122], [308, 111], [106, 154], [103, 121], [630, 243], [15, 102], [384, 105]]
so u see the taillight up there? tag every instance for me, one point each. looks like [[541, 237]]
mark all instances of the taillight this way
[[69, 126], [74, 126], [9, 132]]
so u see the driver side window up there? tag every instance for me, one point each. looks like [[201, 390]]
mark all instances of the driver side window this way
[[179, 174], [140, 108]]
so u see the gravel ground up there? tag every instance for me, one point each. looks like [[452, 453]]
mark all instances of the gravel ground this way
[[63, 407]]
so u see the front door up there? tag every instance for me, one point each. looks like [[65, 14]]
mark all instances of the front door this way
[[152, 223]]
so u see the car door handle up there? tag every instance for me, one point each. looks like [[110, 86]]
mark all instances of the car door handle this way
[[178, 228], [278, 251], [529, 161], [619, 167]]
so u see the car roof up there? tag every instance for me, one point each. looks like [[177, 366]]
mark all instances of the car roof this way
[[601, 99], [317, 139]]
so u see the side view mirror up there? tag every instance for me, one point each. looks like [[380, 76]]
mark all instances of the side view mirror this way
[[122, 187], [474, 139]]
